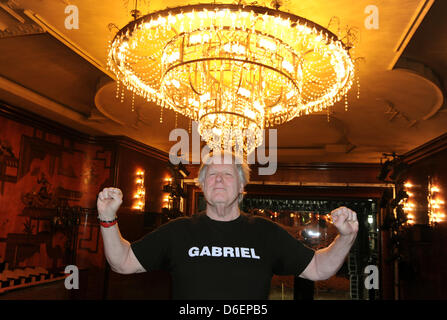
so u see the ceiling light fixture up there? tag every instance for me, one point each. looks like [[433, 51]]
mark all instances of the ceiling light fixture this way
[[235, 69]]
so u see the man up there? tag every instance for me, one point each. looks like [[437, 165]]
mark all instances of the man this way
[[223, 253]]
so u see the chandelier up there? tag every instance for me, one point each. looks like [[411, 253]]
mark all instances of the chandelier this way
[[234, 69]]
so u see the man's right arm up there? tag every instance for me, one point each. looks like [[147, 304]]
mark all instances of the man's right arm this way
[[117, 250]]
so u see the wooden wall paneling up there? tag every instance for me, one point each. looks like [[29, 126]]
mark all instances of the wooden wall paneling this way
[[78, 166], [422, 268], [313, 173], [324, 180], [156, 170], [130, 156], [72, 167]]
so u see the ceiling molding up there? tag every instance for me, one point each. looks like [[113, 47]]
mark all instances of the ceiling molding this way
[[427, 74], [102, 84], [40, 100], [67, 42], [413, 25], [13, 24], [28, 118], [34, 120], [126, 142], [12, 13], [427, 149]]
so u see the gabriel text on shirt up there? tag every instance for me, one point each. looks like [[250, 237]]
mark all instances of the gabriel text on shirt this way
[[226, 252]]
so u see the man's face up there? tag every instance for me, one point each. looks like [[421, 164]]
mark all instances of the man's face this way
[[222, 185]]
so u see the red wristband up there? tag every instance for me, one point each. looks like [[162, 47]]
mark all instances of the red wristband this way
[[107, 224]]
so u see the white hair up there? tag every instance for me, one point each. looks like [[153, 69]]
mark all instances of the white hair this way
[[242, 168]]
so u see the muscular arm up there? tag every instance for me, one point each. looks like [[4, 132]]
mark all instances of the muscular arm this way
[[117, 250], [326, 262]]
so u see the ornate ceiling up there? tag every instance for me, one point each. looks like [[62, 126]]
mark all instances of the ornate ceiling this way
[[61, 74]]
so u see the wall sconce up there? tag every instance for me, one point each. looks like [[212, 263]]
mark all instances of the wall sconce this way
[[408, 205], [435, 204], [167, 188], [167, 202], [140, 191], [408, 185]]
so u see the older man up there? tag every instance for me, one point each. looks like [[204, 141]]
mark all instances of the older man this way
[[223, 253]]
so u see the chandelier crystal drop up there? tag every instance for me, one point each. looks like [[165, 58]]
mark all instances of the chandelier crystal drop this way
[[235, 69]]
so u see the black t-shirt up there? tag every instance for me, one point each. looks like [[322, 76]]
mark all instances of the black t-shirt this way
[[211, 259]]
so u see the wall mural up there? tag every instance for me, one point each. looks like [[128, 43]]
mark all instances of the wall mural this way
[[48, 188], [8, 164]]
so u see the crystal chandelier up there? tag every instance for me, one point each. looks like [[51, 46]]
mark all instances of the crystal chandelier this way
[[235, 69]]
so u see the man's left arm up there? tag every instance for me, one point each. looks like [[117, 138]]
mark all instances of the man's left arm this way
[[327, 261]]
